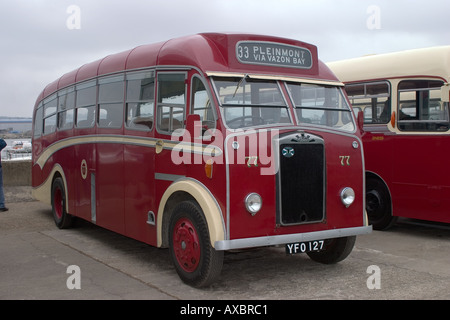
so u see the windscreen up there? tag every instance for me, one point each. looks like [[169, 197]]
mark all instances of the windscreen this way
[[251, 102], [321, 105]]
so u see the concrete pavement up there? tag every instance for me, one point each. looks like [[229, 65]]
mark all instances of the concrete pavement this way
[[409, 262], [34, 264]]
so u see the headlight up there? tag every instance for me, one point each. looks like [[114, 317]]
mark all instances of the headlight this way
[[347, 196], [253, 203]]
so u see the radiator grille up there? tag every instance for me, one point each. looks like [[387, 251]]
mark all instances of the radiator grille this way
[[301, 183]]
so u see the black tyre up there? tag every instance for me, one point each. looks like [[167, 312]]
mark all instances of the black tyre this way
[[378, 204], [197, 263], [335, 250], [62, 218]]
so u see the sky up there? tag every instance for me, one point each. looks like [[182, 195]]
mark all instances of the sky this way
[[40, 40]]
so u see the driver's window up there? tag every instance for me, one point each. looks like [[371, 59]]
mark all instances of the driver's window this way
[[201, 104]]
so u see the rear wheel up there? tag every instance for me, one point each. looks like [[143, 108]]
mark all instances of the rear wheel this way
[[196, 261], [62, 218], [378, 204], [335, 250]]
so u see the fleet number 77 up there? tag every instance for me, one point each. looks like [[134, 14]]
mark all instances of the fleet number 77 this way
[[345, 160]]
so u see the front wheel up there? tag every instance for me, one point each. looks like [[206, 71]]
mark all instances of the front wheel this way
[[196, 261], [335, 250], [62, 218]]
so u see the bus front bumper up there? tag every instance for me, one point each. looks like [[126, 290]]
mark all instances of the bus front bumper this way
[[290, 238]]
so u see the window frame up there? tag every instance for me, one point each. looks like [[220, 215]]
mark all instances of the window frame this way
[[208, 109], [160, 104], [373, 104], [91, 105], [405, 122], [246, 108], [51, 116], [38, 121], [109, 103], [335, 114], [67, 93], [148, 122]]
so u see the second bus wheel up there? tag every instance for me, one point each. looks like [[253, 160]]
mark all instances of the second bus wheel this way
[[196, 261], [62, 218], [378, 204]]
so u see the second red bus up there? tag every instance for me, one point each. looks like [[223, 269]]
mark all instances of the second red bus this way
[[403, 98]]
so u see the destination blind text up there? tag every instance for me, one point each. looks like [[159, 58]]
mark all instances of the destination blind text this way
[[273, 54]]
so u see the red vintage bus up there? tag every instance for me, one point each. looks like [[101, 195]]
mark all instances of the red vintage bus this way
[[403, 98], [203, 144]]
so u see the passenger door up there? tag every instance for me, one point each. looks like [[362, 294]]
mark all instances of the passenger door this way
[[109, 175], [85, 156], [172, 98]]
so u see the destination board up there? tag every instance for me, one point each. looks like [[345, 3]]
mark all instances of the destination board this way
[[273, 54]]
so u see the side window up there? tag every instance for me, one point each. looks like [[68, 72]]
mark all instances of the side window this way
[[66, 111], [50, 106], [140, 100], [171, 104], [86, 94], [373, 99], [38, 121], [201, 104], [110, 100], [420, 107]]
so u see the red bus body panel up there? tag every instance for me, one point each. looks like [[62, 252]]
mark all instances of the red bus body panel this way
[[417, 180]]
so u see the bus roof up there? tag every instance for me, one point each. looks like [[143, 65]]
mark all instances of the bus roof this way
[[433, 61], [209, 52]]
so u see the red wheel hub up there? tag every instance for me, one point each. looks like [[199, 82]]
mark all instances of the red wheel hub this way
[[186, 245]]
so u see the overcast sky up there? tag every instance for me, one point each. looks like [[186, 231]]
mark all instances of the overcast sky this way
[[43, 39]]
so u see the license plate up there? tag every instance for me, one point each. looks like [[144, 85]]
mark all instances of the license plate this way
[[301, 247]]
